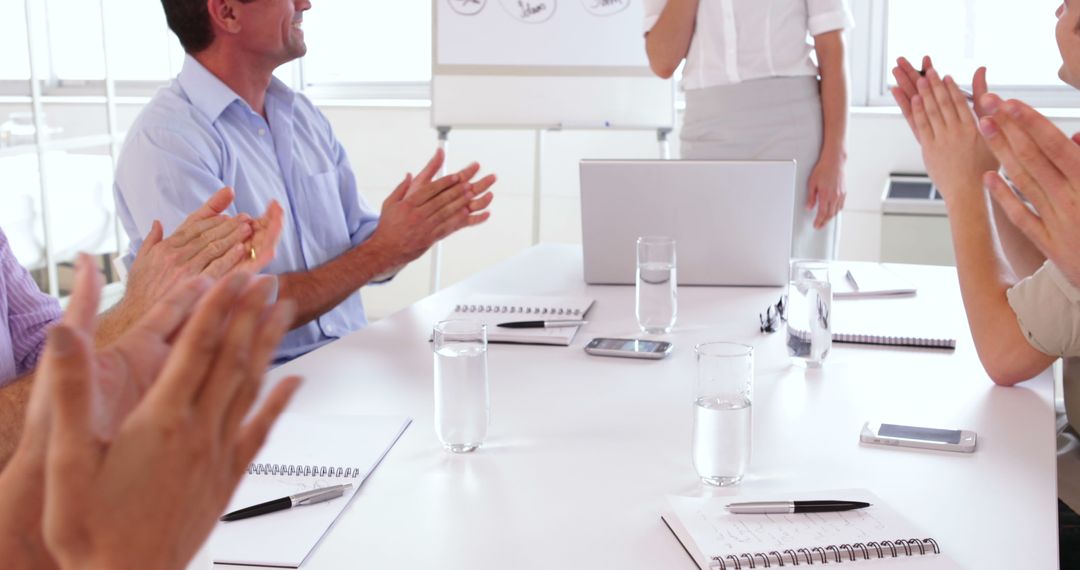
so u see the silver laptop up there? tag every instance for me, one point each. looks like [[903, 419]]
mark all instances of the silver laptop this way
[[731, 220]]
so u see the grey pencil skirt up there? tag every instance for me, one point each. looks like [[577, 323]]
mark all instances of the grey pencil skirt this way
[[766, 119]]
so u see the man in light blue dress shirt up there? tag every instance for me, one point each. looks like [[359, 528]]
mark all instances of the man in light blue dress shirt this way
[[226, 121]]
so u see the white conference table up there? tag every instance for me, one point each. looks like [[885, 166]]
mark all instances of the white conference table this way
[[582, 450]]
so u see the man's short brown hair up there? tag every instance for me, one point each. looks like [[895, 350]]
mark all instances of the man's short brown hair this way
[[190, 21]]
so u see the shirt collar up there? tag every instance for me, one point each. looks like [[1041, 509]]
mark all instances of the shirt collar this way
[[208, 93]]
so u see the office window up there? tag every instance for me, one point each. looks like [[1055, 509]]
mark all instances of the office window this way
[[15, 64], [1014, 40], [366, 42]]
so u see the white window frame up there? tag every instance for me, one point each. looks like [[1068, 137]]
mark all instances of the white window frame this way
[[870, 71]]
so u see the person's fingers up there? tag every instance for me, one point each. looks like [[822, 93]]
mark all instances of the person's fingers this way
[[73, 450], [906, 75], [203, 250], [402, 189], [480, 202], [166, 316], [431, 190], [82, 309], [476, 219], [214, 206], [188, 366], [959, 104], [157, 233], [941, 96], [233, 362], [466, 174], [1076, 138], [1031, 157], [979, 88], [1058, 148], [191, 230], [1017, 212], [1003, 149], [272, 329], [431, 168], [927, 65], [923, 125], [252, 435], [459, 194], [232, 259], [484, 184], [271, 226], [824, 207]]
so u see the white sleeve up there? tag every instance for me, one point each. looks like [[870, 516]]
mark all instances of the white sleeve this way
[[653, 8], [828, 16], [1047, 308]]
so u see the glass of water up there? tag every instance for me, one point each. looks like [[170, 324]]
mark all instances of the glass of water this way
[[657, 299], [462, 402], [722, 418], [809, 313]]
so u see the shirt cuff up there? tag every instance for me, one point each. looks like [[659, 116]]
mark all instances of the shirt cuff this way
[[829, 22], [386, 275]]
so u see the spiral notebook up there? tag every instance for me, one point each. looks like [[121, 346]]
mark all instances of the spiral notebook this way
[[718, 540], [495, 309], [303, 452]]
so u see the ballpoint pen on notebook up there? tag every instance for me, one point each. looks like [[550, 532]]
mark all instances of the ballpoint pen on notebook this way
[[787, 507], [297, 500], [543, 324]]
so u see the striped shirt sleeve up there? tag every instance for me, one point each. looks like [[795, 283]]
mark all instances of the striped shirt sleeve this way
[[27, 312]]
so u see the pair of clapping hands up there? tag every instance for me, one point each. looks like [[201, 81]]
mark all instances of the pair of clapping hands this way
[[960, 146], [106, 477]]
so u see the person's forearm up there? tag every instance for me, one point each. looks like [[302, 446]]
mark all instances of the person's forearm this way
[[985, 278], [1022, 255], [325, 287], [834, 94], [13, 401], [667, 43]]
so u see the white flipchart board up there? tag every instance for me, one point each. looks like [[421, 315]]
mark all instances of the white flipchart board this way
[[543, 64]]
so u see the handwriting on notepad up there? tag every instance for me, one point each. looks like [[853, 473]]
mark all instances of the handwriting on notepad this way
[[739, 533]]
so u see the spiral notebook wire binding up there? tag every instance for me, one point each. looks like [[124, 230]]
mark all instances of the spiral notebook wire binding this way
[[303, 470], [828, 554]]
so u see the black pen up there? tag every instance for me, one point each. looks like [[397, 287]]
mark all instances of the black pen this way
[[788, 507], [297, 500], [543, 324]]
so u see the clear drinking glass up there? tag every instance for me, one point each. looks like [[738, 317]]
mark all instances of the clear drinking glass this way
[[657, 298], [809, 313], [725, 382], [462, 402]]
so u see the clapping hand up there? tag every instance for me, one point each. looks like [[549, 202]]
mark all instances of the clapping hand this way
[[1044, 165], [152, 491]]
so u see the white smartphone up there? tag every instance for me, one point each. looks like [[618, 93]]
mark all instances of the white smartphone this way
[[629, 347], [961, 440]]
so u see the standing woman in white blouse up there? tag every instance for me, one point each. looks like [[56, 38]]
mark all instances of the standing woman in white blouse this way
[[753, 92]]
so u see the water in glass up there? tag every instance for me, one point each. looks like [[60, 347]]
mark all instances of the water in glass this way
[[657, 300], [462, 403], [721, 445]]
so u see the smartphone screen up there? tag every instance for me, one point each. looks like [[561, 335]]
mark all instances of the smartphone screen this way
[[920, 433], [630, 345]]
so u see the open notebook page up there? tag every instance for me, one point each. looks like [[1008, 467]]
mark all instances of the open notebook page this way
[[286, 538], [706, 529]]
